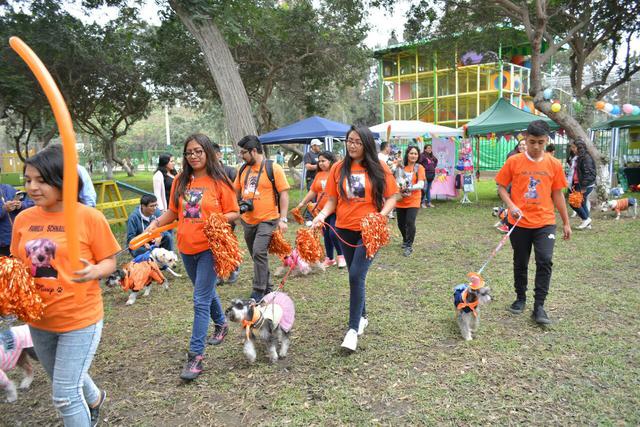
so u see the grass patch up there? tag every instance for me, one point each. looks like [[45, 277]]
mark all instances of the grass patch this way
[[412, 366]]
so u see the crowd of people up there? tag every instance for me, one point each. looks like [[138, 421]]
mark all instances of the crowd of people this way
[[340, 194]]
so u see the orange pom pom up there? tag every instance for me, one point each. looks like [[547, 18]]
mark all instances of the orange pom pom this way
[[375, 232], [308, 245], [278, 245], [297, 216], [311, 207], [223, 244], [576, 198], [18, 293]]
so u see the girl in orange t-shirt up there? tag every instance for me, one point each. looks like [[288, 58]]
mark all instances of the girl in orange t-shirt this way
[[357, 186], [67, 337], [411, 191], [326, 159], [201, 189]]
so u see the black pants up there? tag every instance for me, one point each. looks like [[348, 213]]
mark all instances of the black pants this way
[[407, 224], [5, 250], [542, 239]]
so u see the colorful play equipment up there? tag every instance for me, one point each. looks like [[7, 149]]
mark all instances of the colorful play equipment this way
[[110, 198]]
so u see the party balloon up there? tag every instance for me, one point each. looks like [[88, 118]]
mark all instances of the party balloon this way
[[547, 93], [615, 110], [555, 107], [608, 107], [70, 170], [627, 108], [600, 105], [636, 110]]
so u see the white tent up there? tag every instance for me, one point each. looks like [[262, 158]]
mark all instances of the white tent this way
[[413, 129]]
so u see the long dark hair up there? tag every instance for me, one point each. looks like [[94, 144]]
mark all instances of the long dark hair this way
[[163, 161], [581, 148], [50, 163], [406, 154], [212, 165], [369, 162], [329, 156]]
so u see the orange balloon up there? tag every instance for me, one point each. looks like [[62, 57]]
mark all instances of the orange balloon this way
[[70, 182], [600, 105]]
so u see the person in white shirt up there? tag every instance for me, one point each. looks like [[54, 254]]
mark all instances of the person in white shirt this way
[[162, 180]]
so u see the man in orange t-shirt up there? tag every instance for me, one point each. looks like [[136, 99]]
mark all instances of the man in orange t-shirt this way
[[537, 180], [262, 208]]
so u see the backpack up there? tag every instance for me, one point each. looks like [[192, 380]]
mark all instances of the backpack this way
[[269, 169]]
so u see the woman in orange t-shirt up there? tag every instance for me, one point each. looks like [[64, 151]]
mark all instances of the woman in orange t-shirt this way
[[357, 186], [411, 191], [67, 336], [201, 189], [326, 159]]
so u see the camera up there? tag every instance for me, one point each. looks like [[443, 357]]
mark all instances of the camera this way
[[245, 206], [20, 196]]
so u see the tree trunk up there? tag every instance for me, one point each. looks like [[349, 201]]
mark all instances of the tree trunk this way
[[224, 70]]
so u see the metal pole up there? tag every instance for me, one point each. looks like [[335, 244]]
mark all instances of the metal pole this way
[[166, 123]]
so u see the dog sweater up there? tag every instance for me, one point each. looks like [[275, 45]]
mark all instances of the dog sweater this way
[[623, 204], [457, 296], [20, 338], [286, 304]]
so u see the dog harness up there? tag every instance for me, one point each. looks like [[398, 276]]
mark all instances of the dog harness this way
[[460, 294]]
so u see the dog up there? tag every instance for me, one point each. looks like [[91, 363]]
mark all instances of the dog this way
[[503, 218], [15, 349], [270, 321], [300, 266], [41, 254], [467, 300], [621, 205]]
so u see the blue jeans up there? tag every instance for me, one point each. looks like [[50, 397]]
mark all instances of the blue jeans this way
[[330, 239], [358, 266], [583, 211], [427, 192], [67, 357], [206, 303]]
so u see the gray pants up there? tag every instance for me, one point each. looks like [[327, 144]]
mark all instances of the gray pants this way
[[258, 237]]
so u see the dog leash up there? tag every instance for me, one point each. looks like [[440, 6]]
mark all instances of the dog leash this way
[[500, 244]]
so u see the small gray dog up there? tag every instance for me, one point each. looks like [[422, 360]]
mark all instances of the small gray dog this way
[[467, 302], [271, 320]]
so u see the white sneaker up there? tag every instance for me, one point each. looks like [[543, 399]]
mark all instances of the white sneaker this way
[[342, 263], [585, 224], [308, 223], [363, 325], [574, 214], [350, 341]]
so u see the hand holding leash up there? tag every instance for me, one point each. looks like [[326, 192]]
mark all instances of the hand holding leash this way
[[151, 233]]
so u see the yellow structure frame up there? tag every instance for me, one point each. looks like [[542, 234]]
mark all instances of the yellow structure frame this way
[[109, 188]]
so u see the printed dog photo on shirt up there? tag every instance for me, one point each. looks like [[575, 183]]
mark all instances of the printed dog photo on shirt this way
[[532, 191], [40, 253], [192, 203], [356, 186]]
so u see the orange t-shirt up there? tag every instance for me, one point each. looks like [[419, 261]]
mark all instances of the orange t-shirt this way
[[264, 201], [202, 197], [359, 202], [318, 186], [38, 238], [531, 186], [413, 201]]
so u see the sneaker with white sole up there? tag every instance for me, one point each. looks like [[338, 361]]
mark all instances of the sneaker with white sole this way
[[363, 325], [585, 224], [342, 263], [350, 341], [95, 411], [328, 262], [574, 214]]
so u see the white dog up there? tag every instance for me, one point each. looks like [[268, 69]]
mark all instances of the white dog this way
[[297, 265], [628, 204], [15, 345]]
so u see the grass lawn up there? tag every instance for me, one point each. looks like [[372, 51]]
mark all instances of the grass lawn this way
[[412, 366]]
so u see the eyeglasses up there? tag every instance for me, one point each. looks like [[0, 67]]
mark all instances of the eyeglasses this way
[[354, 142], [243, 152], [194, 153]]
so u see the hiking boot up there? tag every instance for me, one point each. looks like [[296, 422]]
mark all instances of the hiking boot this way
[[193, 367], [218, 334], [518, 306], [408, 250], [233, 277], [350, 341], [540, 316], [342, 263], [95, 411]]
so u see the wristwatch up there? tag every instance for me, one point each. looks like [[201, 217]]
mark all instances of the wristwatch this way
[[285, 220]]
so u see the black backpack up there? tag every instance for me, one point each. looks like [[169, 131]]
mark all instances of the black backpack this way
[[268, 167]]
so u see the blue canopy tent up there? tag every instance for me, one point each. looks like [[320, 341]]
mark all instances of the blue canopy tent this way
[[304, 131]]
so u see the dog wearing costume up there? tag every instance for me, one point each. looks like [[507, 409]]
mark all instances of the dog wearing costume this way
[[630, 205], [299, 267], [467, 300], [15, 349]]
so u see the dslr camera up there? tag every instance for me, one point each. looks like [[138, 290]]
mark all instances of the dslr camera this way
[[245, 206]]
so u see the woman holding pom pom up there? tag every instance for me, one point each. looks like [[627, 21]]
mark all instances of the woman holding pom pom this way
[[357, 186], [201, 189], [67, 336], [326, 159]]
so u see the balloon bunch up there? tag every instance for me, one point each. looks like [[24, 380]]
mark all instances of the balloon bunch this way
[[555, 105], [615, 110], [308, 245], [223, 244], [278, 245], [375, 232], [18, 294]]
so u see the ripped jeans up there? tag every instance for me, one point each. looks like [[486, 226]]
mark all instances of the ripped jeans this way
[[67, 356]]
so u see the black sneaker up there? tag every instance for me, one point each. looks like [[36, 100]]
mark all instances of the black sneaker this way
[[233, 278], [403, 245], [408, 250], [540, 316], [193, 367], [218, 334], [517, 307], [95, 412]]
